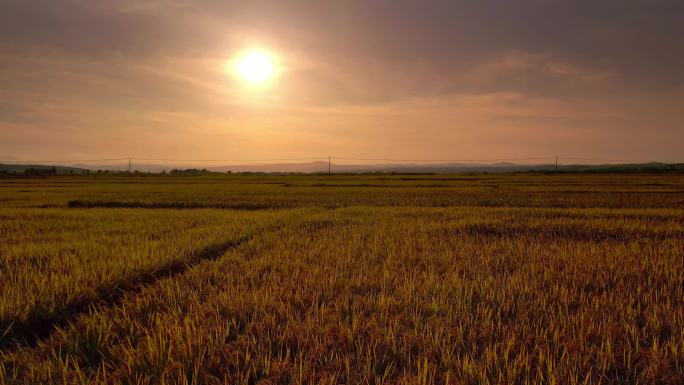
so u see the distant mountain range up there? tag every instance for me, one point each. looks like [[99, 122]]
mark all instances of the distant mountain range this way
[[322, 167]]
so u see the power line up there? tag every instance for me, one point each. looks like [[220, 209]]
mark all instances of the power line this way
[[329, 160], [72, 161], [128, 159], [615, 160], [446, 160], [228, 160]]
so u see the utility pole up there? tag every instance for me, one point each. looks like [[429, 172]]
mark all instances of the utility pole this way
[[329, 165], [556, 165], [129, 166]]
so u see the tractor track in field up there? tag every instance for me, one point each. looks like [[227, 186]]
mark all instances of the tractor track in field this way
[[30, 332]]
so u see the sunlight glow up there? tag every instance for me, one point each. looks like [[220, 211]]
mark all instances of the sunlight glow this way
[[256, 66]]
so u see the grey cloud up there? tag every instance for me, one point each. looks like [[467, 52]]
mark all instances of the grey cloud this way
[[639, 41], [60, 59], [88, 28]]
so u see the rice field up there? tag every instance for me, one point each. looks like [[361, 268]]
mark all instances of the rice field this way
[[343, 279]]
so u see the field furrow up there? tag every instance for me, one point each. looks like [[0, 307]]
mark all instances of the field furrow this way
[[400, 296], [55, 266]]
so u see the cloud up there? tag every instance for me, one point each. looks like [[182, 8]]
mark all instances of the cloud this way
[[440, 73]]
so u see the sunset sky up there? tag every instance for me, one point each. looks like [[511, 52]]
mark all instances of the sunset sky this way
[[84, 79]]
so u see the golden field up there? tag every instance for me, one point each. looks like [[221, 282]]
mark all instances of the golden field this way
[[343, 279]]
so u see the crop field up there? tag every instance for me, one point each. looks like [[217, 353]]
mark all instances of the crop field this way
[[342, 279]]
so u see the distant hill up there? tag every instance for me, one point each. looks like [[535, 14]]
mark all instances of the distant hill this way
[[322, 167], [36, 169], [512, 167]]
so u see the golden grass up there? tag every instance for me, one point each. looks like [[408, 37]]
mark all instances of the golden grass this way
[[374, 295], [263, 192], [55, 262]]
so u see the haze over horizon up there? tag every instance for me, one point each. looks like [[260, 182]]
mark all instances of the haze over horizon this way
[[380, 79]]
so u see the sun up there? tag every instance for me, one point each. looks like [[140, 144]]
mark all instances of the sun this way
[[256, 66]]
